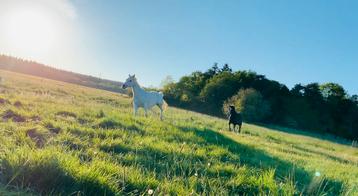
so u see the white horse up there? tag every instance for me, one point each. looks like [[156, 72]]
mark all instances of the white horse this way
[[144, 99]]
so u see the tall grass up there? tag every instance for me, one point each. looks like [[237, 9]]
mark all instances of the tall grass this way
[[92, 145]]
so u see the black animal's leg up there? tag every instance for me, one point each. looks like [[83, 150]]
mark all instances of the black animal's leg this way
[[234, 128], [239, 128]]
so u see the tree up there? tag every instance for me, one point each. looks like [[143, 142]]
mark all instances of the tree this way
[[250, 103], [218, 89], [313, 93], [226, 68], [167, 80], [297, 90], [211, 72], [332, 90], [322, 108], [354, 99]]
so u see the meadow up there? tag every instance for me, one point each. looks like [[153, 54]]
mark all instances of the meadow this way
[[63, 139]]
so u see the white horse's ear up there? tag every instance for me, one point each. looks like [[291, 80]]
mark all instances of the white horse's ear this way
[[134, 76], [129, 75]]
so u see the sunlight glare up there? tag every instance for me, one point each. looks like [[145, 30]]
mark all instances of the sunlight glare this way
[[30, 30], [317, 174]]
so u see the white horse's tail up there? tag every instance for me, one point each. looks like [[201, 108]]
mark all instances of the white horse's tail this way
[[165, 105]]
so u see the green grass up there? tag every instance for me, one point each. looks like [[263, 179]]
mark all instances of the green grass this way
[[64, 139]]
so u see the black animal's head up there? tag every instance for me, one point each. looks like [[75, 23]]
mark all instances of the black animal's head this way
[[232, 109]]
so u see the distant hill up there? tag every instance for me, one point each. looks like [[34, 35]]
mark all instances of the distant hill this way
[[37, 69]]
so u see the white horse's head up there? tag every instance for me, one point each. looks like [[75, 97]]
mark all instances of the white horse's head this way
[[130, 82]]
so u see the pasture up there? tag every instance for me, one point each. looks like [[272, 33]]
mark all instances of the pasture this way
[[59, 138]]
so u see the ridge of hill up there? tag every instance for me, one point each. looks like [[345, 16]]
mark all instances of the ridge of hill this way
[[37, 69]]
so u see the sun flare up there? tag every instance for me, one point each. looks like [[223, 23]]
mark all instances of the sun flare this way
[[30, 30]]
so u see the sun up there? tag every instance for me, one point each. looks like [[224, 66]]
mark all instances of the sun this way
[[30, 30]]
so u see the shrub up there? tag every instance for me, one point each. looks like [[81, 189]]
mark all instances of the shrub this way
[[250, 103]]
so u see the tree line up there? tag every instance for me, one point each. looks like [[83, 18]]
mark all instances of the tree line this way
[[323, 108]]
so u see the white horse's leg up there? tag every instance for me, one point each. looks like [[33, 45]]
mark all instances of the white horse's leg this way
[[161, 111], [135, 108], [146, 111]]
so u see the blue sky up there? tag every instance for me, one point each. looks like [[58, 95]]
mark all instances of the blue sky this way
[[288, 41]]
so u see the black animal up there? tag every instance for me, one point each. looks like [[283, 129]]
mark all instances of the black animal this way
[[235, 118]]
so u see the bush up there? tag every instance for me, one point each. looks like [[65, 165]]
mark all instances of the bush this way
[[250, 103]]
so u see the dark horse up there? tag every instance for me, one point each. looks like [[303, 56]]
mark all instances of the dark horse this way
[[235, 118]]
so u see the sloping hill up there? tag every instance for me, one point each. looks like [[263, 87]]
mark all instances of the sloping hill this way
[[37, 69], [60, 138]]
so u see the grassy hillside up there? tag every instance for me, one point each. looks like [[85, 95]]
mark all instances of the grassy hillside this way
[[13, 64], [59, 138]]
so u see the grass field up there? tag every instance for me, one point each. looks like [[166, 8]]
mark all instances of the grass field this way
[[63, 139]]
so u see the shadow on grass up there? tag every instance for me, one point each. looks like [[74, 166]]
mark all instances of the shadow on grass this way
[[321, 136], [328, 156], [310, 152], [261, 160], [48, 177], [170, 164], [111, 123], [165, 164]]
